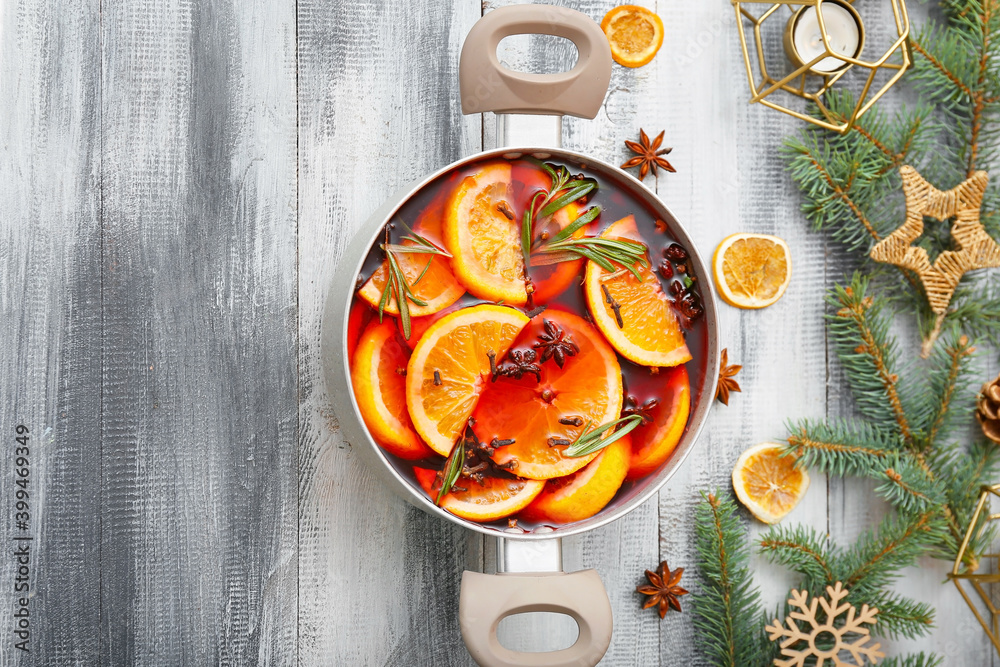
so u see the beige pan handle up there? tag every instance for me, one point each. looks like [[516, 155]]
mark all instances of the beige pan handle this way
[[486, 85], [486, 599]]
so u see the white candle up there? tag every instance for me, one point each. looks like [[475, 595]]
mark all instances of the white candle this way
[[842, 31]]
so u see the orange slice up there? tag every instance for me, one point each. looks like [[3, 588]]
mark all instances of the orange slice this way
[[752, 270], [420, 325], [584, 493], [484, 241], [588, 388], [438, 287], [654, 442], [768, 483], [650, 334], [456, 348], [380, 390], [635, 34], [494, 499], [358, 319]]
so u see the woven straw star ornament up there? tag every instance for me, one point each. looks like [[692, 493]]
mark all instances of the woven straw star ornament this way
[[975, 249]]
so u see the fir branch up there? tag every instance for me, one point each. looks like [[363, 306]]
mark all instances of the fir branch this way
[[844, 447], [897, 616], [968, 469], [909, 486], [801, 549], [868, 353], [879, 554], [913, 660], [949, 377], [728, 613]]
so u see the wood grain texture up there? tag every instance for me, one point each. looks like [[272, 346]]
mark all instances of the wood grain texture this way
[[180, 180], [50, 321], [199, 348], [379, 107]]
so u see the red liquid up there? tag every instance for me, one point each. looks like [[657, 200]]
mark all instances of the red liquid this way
[[615, 203]]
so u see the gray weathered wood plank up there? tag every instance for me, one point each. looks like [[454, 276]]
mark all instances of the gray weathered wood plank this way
[[199, 409], [379, 107], [50, 324]]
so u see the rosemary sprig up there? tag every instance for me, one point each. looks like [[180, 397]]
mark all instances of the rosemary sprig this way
[[397, 285], [562, 247], [452, 469], [606, 253], [589, 441]]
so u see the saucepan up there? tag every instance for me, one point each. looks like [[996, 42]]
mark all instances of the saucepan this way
[[529, 562]]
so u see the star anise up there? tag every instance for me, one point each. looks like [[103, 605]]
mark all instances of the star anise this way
[[518, 363], [648, 155], [632, 407], [555, 344], [664, 590], [726, 375]]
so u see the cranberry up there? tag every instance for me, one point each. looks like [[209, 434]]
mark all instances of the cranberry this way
[[666, 270], [675, 252]]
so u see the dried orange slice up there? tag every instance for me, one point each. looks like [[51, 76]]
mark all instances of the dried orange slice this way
[[482, 231], [380, 390], [558, 405], [437, 287], [650, 334], [494, 499], [768, 483], [654, 442], [635, 34], [450, 367], [584, 493], [752, 270]]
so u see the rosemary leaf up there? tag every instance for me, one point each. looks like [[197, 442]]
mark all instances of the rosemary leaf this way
[[526, 230], [398, 281], [424, 271], [570, 196], [603, 252], [452, 469], [590, 441], [588, 216]]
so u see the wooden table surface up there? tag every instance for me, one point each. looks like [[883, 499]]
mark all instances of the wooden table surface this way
[[178, 182]]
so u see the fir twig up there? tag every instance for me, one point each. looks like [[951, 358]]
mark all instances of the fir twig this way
[[727, 614]]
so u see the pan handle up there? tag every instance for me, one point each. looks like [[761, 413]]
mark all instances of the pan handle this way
[[486, 85], [486, 599]]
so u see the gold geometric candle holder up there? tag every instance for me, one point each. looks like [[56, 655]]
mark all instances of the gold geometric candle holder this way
[[822, 65], [973, 577]]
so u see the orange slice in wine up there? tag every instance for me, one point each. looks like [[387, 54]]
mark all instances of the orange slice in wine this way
[[584, 493], [450, 368], [482, 231], [437, 286], [653, 442], [494, 499], [377, 375], [645, 329], [544, 415]]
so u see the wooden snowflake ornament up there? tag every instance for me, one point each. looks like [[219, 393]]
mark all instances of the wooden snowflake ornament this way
[[975, 248], [825, 636]]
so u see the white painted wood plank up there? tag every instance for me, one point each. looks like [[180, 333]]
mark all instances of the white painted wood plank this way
[[730, 179], [379, 107], [199, 405], [50, 324]]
